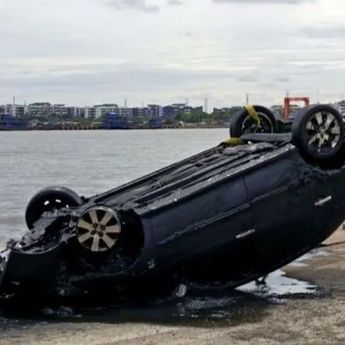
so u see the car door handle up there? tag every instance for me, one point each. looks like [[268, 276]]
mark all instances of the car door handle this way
[[245, 234], [323, 201]]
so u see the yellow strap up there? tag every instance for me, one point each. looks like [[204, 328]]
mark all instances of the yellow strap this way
[[252, 113], [232, 142]]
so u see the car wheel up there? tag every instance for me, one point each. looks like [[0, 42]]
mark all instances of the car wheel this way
[[98, 229], [50, 199], [243, 121], [318, 132]]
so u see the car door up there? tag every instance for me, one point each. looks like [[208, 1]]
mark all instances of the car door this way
[[292, 205], [269, 187], [200, 225], [268, 190]]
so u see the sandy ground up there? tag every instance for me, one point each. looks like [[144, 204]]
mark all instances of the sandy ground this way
[[295, 320]]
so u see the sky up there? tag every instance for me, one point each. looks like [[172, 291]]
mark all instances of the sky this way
[[84, 52]]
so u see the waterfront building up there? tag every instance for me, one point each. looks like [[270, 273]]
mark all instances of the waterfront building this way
[[224, 110], [75, 112], [155, 110], [140, 112], [179, 108], [102, 110], [171, 111], [197, 109], [277, 110], [125, 112], [16, 110], [89, 112], [168, 112], [340, 106], [59, 110], [294, 108], [42, 109]]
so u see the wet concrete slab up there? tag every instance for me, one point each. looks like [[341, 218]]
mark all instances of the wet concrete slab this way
[[304, 304]]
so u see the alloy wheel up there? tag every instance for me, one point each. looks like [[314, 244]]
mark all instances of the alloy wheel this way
[[98, 229], [323, 132]]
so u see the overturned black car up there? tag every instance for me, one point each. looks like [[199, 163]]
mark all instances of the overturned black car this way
[[227, 215]]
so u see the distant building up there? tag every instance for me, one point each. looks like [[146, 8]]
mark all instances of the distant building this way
[[15, 110], [294, 108], [198, 109], [277, 110], [43, 109], [340, 106], [181, 108], [125, 112], [224, 110], [59, 110], [89, 112], [155, 111], [168, 112], [140, 112], [171, 111], [102, 109], [75, 112], [20, 110]]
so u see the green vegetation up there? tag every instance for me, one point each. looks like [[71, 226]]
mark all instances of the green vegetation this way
[[200, 116], [192, 117], [223, 116]]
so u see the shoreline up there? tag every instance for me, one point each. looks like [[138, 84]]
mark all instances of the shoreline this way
[[107, 129]]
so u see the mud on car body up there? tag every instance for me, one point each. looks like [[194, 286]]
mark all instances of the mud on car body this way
[[230, 215]]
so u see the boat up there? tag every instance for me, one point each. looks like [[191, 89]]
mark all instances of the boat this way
[[114, 121], [10, 123]]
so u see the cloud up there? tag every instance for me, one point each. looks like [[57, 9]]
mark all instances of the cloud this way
[[141, 5], [175, 2], [282, 79], [337, 32], [52, 52], [288, 2]]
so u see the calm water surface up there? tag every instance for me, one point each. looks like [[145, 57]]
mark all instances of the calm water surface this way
[[89, 162]]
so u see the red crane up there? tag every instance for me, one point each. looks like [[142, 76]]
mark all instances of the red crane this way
[[289, 100]]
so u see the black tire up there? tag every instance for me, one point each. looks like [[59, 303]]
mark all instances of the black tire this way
[[241, 123], [318, 132], [49, 199]]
